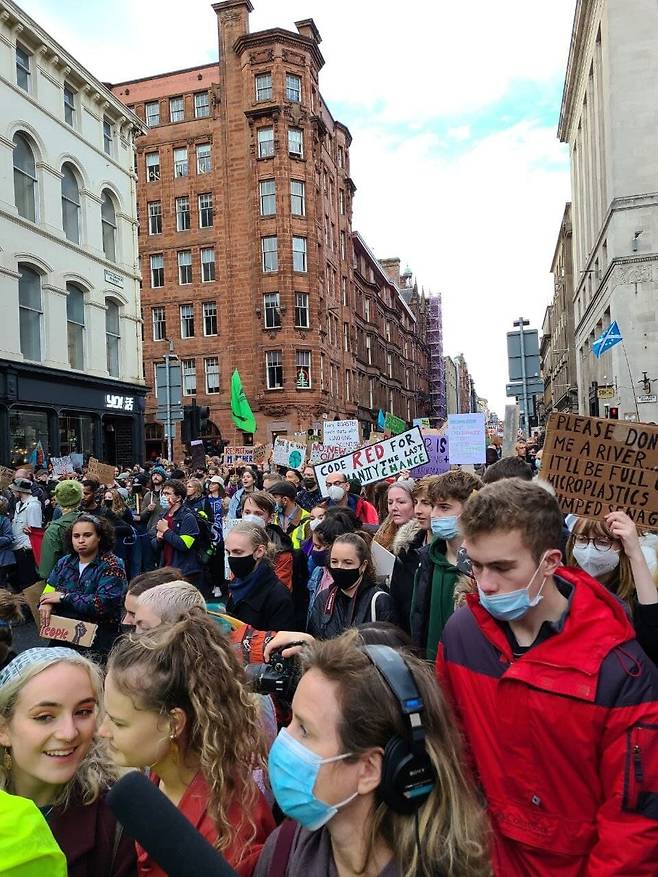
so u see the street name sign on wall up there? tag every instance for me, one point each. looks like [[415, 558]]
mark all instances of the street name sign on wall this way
[[598, 466]]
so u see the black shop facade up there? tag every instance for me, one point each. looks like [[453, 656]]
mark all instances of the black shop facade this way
[[53, 413]]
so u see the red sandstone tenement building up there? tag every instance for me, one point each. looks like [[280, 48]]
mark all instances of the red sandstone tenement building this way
[[246, 246]]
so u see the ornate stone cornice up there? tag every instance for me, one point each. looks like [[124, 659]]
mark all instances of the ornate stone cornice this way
[[278, 35]]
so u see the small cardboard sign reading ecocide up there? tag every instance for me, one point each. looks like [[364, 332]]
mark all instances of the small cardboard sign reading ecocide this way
[[69, 630], [341, 432], [599, 466], [378, 461]]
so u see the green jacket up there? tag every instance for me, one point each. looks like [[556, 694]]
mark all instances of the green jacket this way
[[52, 547], [433, 600], [27, 847]]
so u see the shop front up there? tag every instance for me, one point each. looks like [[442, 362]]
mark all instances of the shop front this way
[[49, 413]]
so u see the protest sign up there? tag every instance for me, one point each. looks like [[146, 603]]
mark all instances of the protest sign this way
[[101, 472], [62, 465], [232, 455], [436, 445], [423, 422], [198, 454], [320, 453], [341, 432], [384, 562], [288, 453], [6, 477], [466, 438], [77, 460], [69, 630], [394, 425], [376, 437], [511, 429], [376, 462], [598, 466]]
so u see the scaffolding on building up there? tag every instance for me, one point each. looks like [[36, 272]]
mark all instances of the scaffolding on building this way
[[437, 376]]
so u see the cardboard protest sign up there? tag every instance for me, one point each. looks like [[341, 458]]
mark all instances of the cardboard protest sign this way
[[232, 455], [422, 422], [198, 454], [436, 444], [69, 630], [62, 465], [341, 432], [6, 477], [376, 437], [466, 438], [376, 462], [394, 425], [288, 453], [320, 452], [598, 466], [101, 472], [384, 562]]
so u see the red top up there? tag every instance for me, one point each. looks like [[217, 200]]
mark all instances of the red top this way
[[167, 549], [241, 855]]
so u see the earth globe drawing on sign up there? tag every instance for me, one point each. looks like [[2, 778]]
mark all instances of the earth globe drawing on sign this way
[[295, 459]]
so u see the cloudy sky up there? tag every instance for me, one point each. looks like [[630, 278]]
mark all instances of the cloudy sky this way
[[453, 108]]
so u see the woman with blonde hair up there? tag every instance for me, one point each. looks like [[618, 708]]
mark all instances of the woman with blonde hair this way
[[50, 699], [400, 512], [374, 790], [177, 703]]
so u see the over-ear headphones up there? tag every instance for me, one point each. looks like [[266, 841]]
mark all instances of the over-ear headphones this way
[[408, 775]]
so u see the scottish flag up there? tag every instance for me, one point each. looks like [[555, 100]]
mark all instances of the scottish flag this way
[[608, 339]]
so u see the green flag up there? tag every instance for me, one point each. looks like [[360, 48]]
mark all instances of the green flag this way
[[241, 412]]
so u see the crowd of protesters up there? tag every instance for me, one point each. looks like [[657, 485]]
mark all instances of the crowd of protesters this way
[[487, 706]]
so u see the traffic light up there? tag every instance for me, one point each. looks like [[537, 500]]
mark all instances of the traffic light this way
[[202, 416], [613, 412], [187, 430]]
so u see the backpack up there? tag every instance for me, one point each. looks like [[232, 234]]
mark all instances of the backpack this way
[[206, 541]]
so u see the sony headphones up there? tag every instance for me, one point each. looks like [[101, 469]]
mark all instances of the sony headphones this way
[[408, 775]]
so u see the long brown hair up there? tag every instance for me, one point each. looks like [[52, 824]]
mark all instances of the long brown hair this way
[[192, 666], [451, 822]]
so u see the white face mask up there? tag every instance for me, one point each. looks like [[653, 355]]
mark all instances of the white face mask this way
[[315, 522], [335, 493], [254, 519], [595, 562]]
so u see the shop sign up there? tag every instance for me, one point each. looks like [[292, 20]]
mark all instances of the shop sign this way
[[119, 403], [113, 278], [648, 397]]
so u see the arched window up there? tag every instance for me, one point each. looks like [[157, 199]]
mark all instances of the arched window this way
[[25, 178], [30, 311], [112, 337], [70, 204], [75, 325], [109, 222]]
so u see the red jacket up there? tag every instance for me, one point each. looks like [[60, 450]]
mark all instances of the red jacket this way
[[564, 739]]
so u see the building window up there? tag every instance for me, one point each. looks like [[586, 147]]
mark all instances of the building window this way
[[269, 253], [343, 246], [70, 204], [296, 142], [152, 167], [30, 310], [189, 377], [346, 337], [152, 113], [180, 162], [340, 156], [264, 86], [112, 338], [157, 271], [203, 158], [369, 351], [267, 197], [366, 310], [301, 310], [183, 220], [274, 369], [187, 321], [299, 254], [265, 142], [201, 105], [207, 264], [348, 388], [322, 371], [211, 369], [341, 201], [107, 135], [69, 106], [303, 370], [25, 178], [75, 325], [184, 267], [297, 198], [343, 285], [209, 318], [109, 225], [155, 217], [176, 109], [293, 88], [272, 310], [159, 324], [205, 210], [22, 68], [389, 365]]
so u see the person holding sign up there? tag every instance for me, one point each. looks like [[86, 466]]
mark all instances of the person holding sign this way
[[88, 583], [557, 701], [610, 552]]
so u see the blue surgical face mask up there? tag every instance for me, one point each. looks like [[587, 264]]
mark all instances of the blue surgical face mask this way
[[446, 527], [293, 771], [164, 503], [512, 606]]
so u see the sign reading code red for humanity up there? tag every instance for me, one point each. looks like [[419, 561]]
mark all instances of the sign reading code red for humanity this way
[[599, 466]]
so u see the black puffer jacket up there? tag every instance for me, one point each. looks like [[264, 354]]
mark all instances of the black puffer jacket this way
[[334, 612], [407, 545]]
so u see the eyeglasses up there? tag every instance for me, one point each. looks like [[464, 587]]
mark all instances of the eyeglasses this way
[[599, 542], [336, 483]]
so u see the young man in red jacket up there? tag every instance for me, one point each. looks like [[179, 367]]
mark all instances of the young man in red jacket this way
[[557, 700]]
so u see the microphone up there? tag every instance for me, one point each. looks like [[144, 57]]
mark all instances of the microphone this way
[[162, 830]]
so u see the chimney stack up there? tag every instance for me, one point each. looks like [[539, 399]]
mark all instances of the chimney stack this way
[[391, 268], [233, 22], [306, 28]]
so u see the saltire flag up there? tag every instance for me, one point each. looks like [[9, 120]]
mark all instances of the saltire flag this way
[[241, 412], [607, 339]]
